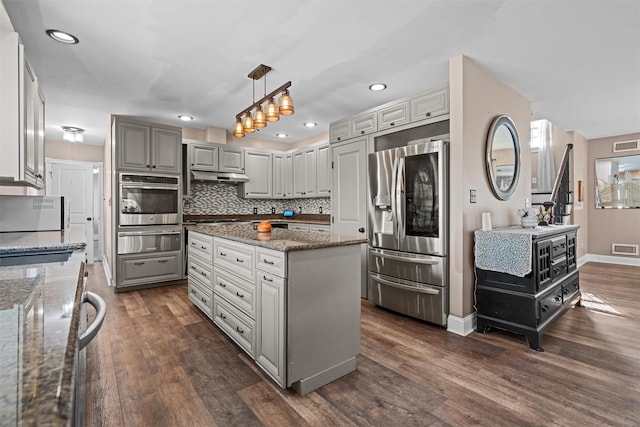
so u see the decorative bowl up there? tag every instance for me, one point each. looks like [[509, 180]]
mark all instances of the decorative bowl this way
[[528, 221]]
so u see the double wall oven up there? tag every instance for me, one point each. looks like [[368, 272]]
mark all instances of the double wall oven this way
[[150, 235], [408, 229]]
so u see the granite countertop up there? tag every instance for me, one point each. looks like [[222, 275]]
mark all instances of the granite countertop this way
[[279, 239], [73, 238], [39, 320], [537, 231], [323, 219]]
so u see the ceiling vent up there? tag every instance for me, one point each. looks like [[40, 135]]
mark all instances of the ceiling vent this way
[[626, 146], [624, 249]]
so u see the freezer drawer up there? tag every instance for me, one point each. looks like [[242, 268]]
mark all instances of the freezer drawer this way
[[425, 302], [419, 268]]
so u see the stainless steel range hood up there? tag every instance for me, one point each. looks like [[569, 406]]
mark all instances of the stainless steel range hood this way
[[219, 176]]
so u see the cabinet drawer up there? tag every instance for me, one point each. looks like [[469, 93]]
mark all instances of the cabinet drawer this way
[[364, 124], [237, 291], [558, 268], [271, 261], [570, 287], [549, 304], [301, 227], [394, 115], [320, 228], [200, 297], [236, 325], [201, 272], [235, 257], [201, 246], [137, 270], [428, 105], [558, 246]]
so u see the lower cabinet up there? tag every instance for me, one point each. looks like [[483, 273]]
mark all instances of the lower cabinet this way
[[266, 301], [140, 269]]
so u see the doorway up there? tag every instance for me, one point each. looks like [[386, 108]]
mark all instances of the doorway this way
[[81, 184]]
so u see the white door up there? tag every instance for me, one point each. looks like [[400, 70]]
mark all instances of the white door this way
[[74, 181], [349, 195]]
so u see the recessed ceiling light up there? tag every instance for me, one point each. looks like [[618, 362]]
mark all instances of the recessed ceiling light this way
[[62, 37], [377, 86], [72, 134], [281, 135], [185, 118], [310, 124]]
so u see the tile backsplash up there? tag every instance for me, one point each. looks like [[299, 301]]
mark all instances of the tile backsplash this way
[[209, 198]]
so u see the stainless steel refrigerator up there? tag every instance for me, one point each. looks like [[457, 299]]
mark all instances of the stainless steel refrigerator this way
[[33, 213], [408, 230]]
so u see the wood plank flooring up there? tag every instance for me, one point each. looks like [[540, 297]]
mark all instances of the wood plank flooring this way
[[158, 361]]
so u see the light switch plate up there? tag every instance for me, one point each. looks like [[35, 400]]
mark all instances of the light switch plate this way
[[472, 196]]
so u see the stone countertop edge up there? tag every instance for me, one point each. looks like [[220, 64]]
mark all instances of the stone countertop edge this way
[[539, 230], [322, 219], [281, 240]]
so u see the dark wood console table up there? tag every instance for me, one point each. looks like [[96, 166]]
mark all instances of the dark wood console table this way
[[526, 278]]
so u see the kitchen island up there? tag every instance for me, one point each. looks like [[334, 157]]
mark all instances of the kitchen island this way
[[289, 299], [40, 306]]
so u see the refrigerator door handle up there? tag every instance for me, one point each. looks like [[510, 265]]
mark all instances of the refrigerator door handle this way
[[405, 259], [400, 189], [422, 290], [394, 205]]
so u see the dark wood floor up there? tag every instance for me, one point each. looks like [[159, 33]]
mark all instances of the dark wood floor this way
[[159, 362]]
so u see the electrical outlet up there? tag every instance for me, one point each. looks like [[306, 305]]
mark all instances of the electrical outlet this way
[[255, 211], [273, 210], [320, 209], [472, 196], [299, 209], [534, 180]]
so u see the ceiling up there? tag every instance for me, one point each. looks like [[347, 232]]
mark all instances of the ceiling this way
[[577, 61]]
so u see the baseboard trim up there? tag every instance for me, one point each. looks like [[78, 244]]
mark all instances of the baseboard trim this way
[[107, 271], [609, 260], [461, 326]]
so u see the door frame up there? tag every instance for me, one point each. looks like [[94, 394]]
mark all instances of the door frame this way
[[98, 169]]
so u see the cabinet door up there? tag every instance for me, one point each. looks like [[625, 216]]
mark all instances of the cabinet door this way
[[39, 139], [339, 131], [259, 168], [299, 174], [394, 115], [29, 111], [310, 173], [278, 175], [166, 150], [323, 181], [287, 178], [270, 323], [429, 105], [231, 160], [349, 177], [133, 142], [364, 124], [204, 157]]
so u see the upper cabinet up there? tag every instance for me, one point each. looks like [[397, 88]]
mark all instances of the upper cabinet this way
[[204, 157], [323, 175], [259, 169], [424, 106], [148, 147], [231, 159], [21, 117]]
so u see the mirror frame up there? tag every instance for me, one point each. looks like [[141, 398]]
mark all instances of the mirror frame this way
[[511, 127]]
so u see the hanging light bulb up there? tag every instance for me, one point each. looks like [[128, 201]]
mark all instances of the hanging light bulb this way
[[272, 114], [238, 130], [260, 120], [248, 125], [286, 104]]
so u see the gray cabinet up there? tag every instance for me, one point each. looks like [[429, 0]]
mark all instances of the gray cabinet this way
[[204, 157], [278, 176], [146, 147], [259, 169], [231, 160], [22, 118], [360, 125], [393, 115], [429, 104], [323, 175], [349, 196], [304, 173]]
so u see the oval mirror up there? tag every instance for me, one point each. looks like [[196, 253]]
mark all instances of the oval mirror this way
[[503, 157]]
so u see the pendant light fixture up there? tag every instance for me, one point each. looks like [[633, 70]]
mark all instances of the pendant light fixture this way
[[271, 113]]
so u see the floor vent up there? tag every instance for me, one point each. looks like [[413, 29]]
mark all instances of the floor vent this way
[[622, 249], [626, 146]]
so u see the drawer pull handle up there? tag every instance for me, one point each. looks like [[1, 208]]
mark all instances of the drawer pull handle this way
[[203, 300], [223, 254], [239, 330], [544, 307], [203, 248], [266, 261], [222, 284], [223, 316], [193, 243], [193, 267], [428, 114], [267, 279], [557, 298], [203, 273], [138, 263], [239, 294], [239, 260], [192, 291], [163, 261]]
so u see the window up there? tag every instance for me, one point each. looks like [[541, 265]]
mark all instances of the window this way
[[536, 133]]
